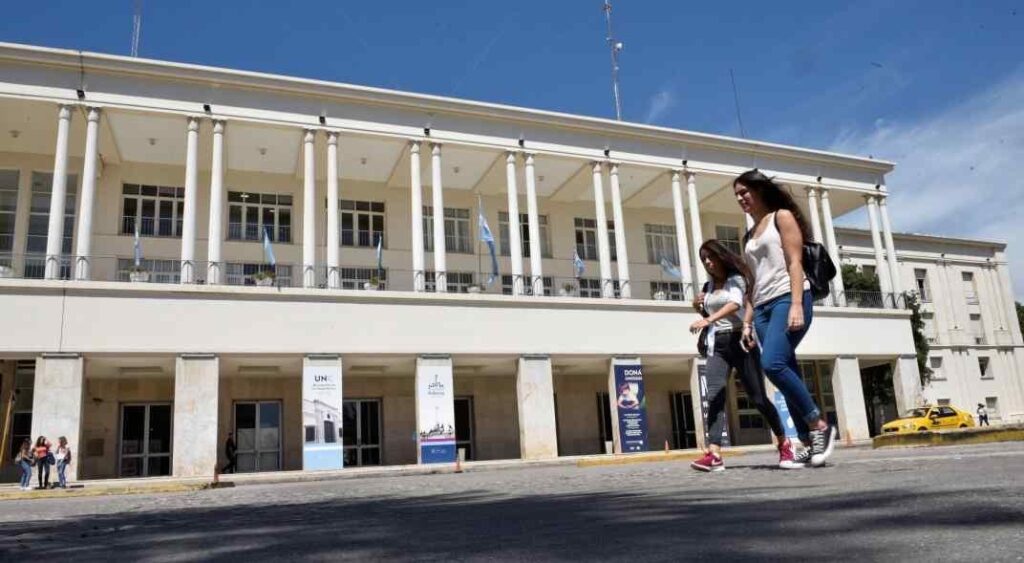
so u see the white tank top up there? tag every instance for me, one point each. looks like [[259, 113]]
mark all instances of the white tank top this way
[[766, 258]]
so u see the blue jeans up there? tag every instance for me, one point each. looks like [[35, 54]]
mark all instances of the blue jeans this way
[[62, 480], [26, 473], [778, 357]]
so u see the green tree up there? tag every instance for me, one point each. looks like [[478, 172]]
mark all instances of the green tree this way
[[857, 280], [920, 340]]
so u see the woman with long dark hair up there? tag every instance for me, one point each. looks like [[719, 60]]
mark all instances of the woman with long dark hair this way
[[783, 305], [725, 299]]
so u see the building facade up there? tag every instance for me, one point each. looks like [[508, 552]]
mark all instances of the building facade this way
[[179, 243]]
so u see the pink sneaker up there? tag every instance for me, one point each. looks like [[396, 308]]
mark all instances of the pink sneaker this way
[[709, 462], [786, 458]]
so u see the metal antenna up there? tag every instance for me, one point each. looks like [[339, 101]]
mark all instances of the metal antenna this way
[[136, 27], [736, 99], [616, 48]]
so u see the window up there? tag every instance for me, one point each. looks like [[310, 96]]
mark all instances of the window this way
[[457, 282], [506, 285], [942, 403], [24, 387], [362, 222], [661, 243], [243, 274], [586, 239], [524, 234], [8, 209], [992, 405], [39, 225], [249, 213], [970, 291], [160, 271], [935, 363], [355, 278], [591, 287], [977, 328], [458, 236], [157, 211], [673, 290], [729, 237], [921, 279], [984, 368]]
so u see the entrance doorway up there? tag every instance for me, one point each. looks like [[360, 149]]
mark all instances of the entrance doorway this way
[[684, 430], [258, 435], [464, 426], [360, 428], [145, 440]]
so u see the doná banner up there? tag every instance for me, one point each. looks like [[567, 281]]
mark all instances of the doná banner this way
[[631, 404], [702, 379], [435, 416], [322, 446]]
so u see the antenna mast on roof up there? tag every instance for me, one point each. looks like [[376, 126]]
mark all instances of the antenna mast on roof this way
[[616, 48], [136, 27]]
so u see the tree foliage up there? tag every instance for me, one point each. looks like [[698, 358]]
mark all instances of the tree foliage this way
[[857, 280], [920, 340]]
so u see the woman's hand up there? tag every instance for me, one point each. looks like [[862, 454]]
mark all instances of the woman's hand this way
[[698, 301], [796, 317], [747, 340], [698, 325]]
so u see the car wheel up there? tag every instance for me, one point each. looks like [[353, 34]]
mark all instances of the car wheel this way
[[963, 426], [922, 429]]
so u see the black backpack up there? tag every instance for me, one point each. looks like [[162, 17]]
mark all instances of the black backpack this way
[[818, 266]]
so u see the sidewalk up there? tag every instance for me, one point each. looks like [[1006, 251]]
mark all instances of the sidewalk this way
[[155, 485]]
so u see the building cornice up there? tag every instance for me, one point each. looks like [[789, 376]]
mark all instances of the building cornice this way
[[982, 243]]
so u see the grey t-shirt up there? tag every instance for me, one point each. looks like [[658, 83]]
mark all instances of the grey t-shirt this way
[[731, 292]]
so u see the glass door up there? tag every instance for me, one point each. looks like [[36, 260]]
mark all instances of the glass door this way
[[360, 427], [684, 432], [464, 426], [145, 440], [258, 435]]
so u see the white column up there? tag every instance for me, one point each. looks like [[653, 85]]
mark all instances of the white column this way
[[188, 223], [309, 209], [440, 252], [815, 218], [682, 247], [890, 247], [333, 260], [1006, 290], [214, 254], [514, 236], [876, 240], [696, 235], [833, 248], [995, 297], [57, 404], [849, 399], [535, 393], [533, 224], [906, 379], [196, 386], [58, 195], [83, 251], [603, 251], [622, 256], [416, 191]]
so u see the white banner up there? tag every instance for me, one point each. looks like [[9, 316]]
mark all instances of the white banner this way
[[435, 411], [322, 446]]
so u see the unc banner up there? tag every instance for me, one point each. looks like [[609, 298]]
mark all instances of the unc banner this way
[[631, 406], [322, 446], [702, 380], [435, 411]]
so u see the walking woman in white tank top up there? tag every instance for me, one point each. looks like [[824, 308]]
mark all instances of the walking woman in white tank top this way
[[783, 306]]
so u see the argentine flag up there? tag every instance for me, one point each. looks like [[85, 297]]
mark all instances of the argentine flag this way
[[577, 263], [380, 252], [268, 251], [488, 238], [137, 244], [670, 269]]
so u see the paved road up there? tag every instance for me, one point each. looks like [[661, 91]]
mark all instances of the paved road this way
[[937, 504]]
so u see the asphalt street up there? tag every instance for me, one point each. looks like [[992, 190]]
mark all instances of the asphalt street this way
[[935, 504]]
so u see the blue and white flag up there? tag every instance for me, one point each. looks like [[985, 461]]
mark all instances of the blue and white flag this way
[[577, 263], [380, 252], [488, 238], [137, 244], [670, 269], [268, 251]]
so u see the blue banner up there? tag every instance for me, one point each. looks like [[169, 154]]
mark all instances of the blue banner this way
[[787, 419], [631, 405], [702, 380]]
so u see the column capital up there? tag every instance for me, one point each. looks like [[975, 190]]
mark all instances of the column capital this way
[[613, 167], [691, 176], [881, 199], [193, 123], [414, 146], [510, 156], [529, 156], [596, 165], [870, 198], [308, 135], [92, 113], [435, 149], [823, 191], [332, 138], [812, 191], [675, 173], [218, 126], [64, 111]]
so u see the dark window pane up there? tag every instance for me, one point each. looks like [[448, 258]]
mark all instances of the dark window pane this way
[[160, 429]]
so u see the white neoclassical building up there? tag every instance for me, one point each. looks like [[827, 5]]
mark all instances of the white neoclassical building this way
[[146, 354]]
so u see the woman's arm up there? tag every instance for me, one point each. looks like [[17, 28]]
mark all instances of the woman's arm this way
[[793, 249]]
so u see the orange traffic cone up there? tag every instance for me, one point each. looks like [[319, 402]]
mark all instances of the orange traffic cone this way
[[666, 446]]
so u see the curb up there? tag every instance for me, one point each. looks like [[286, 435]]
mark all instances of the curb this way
[[83, 491], [988, 435]]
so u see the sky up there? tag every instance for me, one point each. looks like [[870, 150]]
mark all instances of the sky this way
[[935, 85]]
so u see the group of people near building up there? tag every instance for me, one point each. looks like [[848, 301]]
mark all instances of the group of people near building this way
[[755, 310], [41, 456]]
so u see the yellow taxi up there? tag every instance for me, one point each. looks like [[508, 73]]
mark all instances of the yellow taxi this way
[[923, 419]]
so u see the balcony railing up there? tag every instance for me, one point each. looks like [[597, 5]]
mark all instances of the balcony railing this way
[[875, 300]]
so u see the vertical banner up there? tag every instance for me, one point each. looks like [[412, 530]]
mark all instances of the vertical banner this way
[[702, 379], [784, 415], [631, 407], [435, 411], [322, 446]]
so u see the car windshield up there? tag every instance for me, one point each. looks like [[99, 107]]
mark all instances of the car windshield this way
[[916, 413]]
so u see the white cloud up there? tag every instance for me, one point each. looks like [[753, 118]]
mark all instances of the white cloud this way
[[959, 172], [659, 103]]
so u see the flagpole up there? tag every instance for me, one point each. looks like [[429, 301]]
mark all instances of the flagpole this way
[[479, 264]]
